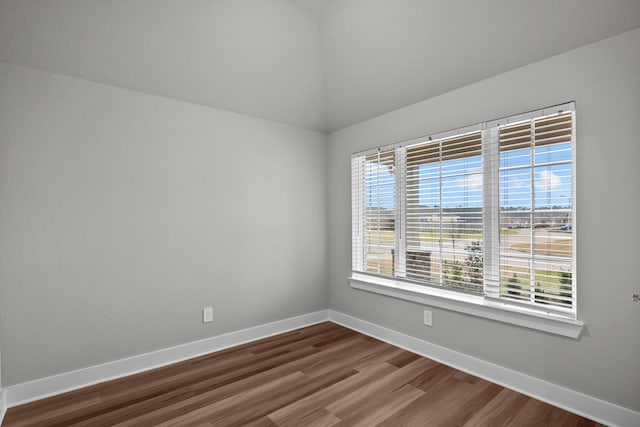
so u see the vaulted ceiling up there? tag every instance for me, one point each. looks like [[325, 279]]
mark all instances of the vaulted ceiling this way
[[319, 64]]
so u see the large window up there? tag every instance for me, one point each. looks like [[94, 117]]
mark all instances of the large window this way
[[486, 210]]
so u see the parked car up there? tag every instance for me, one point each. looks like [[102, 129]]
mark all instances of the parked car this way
[[566, 227]]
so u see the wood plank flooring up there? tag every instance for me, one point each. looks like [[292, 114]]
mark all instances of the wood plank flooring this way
[[322, 375]]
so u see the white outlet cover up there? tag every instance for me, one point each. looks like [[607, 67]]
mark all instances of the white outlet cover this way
[[207, 314], [428, 318]]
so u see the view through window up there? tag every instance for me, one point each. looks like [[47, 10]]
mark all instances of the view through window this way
[[487, 210]]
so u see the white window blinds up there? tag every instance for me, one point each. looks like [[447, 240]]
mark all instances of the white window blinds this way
[[487, 210], [374, 212], [444, 212], [536, 211]]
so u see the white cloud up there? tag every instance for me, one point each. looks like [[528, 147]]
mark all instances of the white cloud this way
[[547, 180], [471, 182]]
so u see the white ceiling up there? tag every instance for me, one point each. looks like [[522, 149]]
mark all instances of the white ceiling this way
[[256, 57], [380, 55], [320, 64]]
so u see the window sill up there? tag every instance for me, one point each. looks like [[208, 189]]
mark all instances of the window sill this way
[[470, 304]]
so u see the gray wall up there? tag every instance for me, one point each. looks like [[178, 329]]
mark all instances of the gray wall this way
[[123, 214], [1, 386], [603, 79]]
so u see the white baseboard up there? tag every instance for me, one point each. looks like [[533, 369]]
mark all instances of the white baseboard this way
[[3, 404], [61, 383], [570, 400]]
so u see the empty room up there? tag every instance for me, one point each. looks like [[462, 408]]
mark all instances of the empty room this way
[[319, 213]]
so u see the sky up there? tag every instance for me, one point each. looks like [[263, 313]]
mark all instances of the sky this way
[[461, 180]]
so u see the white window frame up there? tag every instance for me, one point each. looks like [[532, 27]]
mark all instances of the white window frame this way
[[489, 305]]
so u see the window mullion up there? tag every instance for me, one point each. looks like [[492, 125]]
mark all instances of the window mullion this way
[[491, 211], [532, 259], [440, 254], [400, 261]]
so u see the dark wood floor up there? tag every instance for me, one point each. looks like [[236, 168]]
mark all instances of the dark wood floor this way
[[323, 375]]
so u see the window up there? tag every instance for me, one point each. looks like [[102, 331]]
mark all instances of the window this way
[[487, 211]]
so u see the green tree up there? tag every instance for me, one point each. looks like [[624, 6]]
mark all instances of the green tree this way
[[566, 283], [513, 286], [456, 274], [475, 262], [452, 276], [565, 277]]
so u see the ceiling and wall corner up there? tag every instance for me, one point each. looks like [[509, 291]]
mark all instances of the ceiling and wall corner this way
[[381, 55], [259, 58], [318, 64], [113, 188]]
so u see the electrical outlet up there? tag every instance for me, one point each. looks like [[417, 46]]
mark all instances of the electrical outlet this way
[[207, 314], [428, 318]]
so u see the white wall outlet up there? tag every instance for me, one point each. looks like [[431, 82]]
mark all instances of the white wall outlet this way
[[207, 314], [428, 318]]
